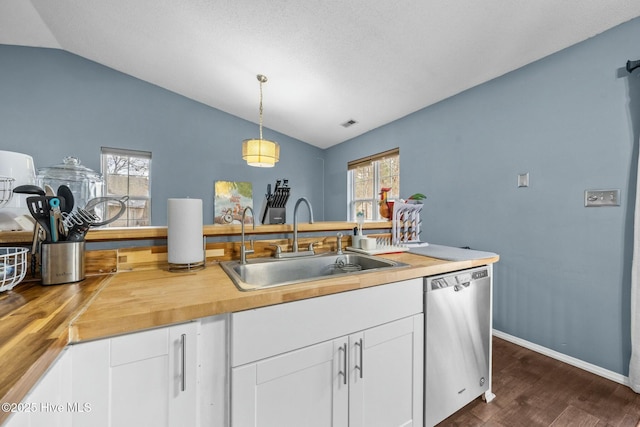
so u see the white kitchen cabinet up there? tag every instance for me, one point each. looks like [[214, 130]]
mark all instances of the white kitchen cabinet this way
[[49, 403], [140, 379], [298, 388], [369, 373], [368, 379], [386, 375]]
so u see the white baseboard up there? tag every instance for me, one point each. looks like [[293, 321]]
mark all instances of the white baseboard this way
[[597, 370]]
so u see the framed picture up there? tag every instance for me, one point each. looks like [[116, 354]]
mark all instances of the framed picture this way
[[230, 200]]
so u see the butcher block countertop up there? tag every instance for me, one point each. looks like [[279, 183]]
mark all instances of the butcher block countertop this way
[[37, 322]]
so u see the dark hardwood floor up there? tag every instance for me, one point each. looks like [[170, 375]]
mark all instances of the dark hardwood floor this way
[[535, 390]]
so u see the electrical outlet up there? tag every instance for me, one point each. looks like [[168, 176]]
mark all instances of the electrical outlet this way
[[597, 198]]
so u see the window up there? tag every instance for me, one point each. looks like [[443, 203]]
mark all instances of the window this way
[[365, 179], [128, 173]]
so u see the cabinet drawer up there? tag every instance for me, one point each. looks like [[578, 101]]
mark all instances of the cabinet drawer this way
[[268, 331], [139, 346]]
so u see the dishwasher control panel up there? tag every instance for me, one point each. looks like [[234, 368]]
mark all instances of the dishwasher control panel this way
[[479, 274], [459, 278]]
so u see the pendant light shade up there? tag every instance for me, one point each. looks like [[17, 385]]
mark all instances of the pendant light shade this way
[[260, 152]]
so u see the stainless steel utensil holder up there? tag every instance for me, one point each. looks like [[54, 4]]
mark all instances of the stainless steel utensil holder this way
[[62, 262]]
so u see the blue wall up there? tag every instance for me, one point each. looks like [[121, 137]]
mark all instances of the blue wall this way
[[55, 104], [571, 120], [563, 280]]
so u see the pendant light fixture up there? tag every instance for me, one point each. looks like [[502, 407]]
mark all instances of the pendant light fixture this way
[[260, 152]]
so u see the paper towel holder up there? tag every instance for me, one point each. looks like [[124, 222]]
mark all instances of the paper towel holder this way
[[191, 266], [186, 245]]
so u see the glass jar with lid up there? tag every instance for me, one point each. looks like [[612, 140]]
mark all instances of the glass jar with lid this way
[[85, 183]]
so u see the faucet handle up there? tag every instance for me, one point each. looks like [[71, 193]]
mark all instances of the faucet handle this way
[[311, 245], [278, 253]]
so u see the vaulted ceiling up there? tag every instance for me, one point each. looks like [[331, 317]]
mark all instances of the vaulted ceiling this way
[[327, 61]]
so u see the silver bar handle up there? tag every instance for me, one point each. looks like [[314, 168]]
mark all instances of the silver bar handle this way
[[183, 343], [361, 367], [343, 348]]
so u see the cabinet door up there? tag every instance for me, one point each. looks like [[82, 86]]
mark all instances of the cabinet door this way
[[306, 387], [183, 364], [138, 379], [386, 375], [49, 403]]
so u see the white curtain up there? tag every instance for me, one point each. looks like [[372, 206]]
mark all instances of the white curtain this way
[[634, 364]]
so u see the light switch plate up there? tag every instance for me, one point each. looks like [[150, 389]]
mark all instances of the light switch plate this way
[[598, 198], [523, 180]]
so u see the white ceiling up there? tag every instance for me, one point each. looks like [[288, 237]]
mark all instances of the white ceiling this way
[[328, 61]]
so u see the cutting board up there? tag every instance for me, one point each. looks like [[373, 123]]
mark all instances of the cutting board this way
[[450, 253]]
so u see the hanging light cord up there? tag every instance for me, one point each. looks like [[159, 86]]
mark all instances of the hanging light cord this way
[[261, 79]]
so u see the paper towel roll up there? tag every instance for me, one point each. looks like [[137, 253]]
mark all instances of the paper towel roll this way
[[184, 231]]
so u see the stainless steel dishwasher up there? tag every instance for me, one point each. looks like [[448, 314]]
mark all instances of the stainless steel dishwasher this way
[[457, 341]]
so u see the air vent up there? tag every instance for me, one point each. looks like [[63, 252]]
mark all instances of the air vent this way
[[348, 123]]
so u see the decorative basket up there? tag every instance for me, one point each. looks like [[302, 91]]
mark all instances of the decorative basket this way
[[13, 267]]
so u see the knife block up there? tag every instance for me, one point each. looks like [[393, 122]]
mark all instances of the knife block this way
[[275, 216]]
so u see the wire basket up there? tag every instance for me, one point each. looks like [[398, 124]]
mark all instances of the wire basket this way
[[13, 267], [6, 190]]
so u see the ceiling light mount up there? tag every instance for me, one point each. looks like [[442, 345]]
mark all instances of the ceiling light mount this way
[[260, 152]]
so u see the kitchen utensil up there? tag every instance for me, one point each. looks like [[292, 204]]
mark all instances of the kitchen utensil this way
[[39, 209], [95, 214], [33, 189], [99, 206], [55, 219], [29, 189], [78, 224], [64, 192]]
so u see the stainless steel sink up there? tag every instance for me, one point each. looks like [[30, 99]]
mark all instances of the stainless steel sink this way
[[269, 272]]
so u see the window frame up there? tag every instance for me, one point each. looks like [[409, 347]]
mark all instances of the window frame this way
[[129, 153], [374, 161]]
